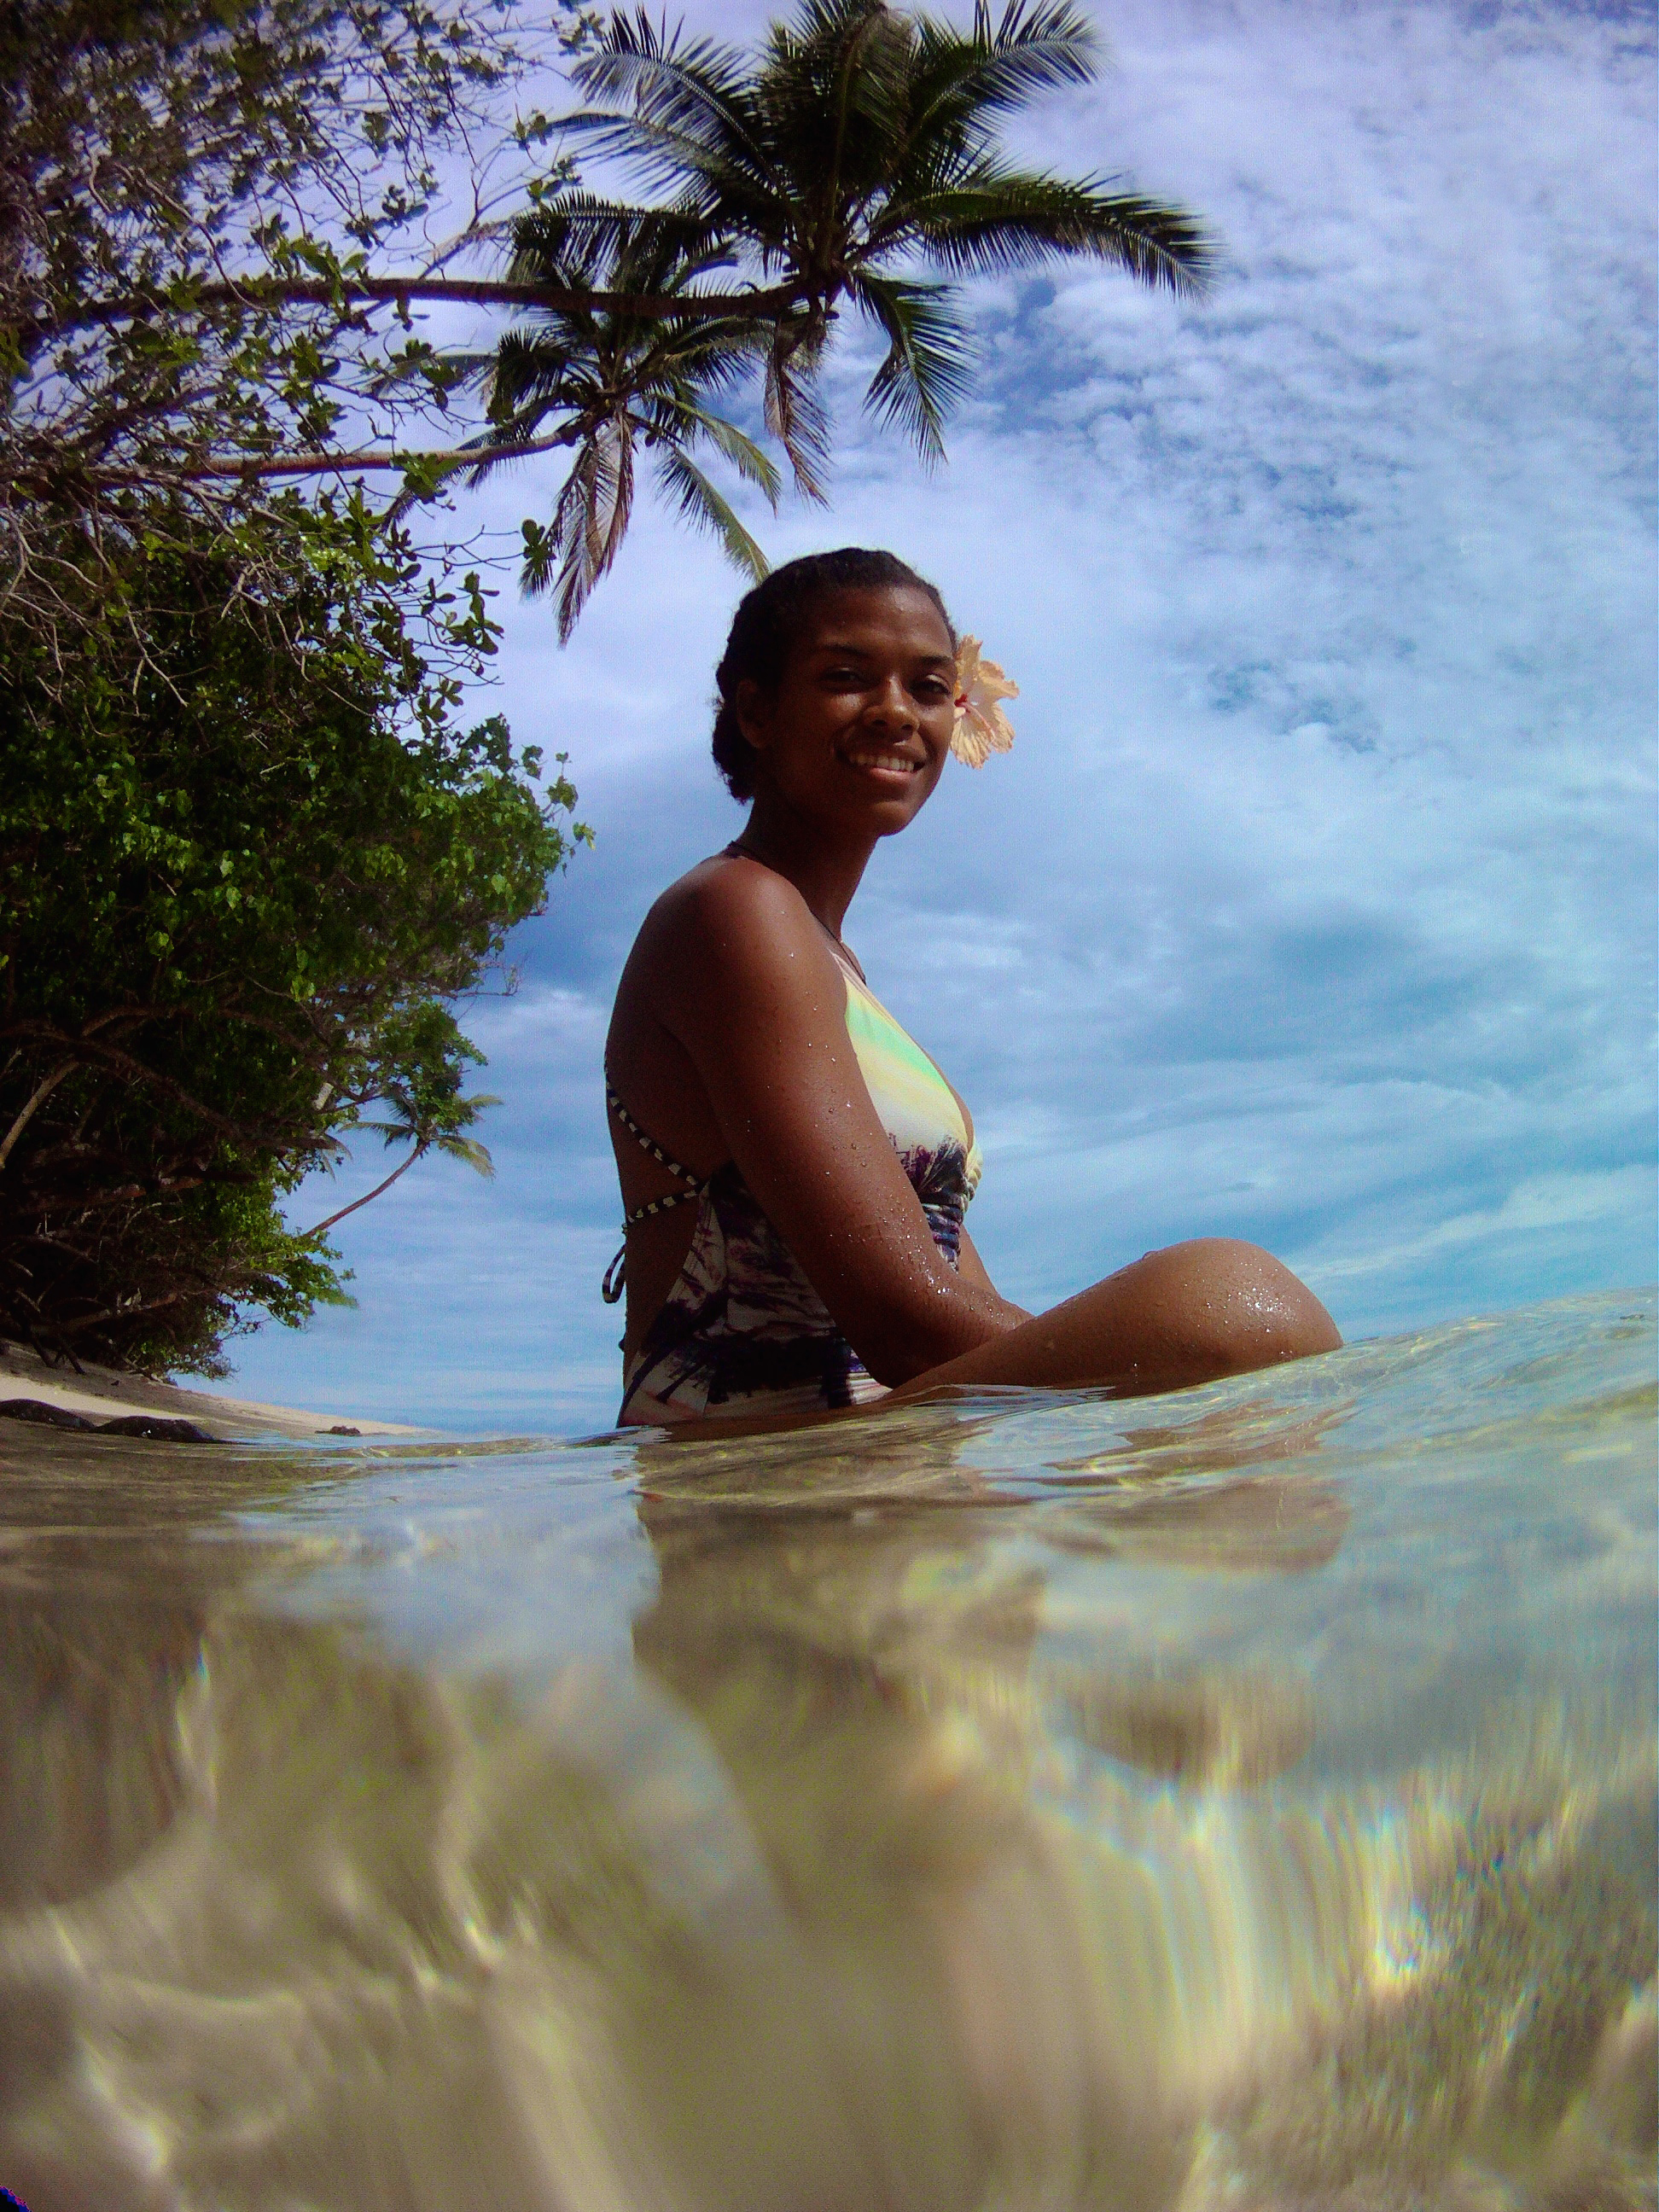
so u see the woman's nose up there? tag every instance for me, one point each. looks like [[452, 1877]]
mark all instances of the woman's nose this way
[[893, 704]]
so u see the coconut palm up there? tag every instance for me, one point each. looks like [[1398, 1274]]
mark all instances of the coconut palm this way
[[617, 386], [858, 148], [424, 1123]]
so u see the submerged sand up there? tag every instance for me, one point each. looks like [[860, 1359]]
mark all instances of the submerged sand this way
[[1240, 1801]]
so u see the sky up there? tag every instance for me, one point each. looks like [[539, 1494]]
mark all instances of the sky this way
[[1316, 904]]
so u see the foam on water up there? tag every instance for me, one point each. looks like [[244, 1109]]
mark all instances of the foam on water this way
[[1236, 1799]]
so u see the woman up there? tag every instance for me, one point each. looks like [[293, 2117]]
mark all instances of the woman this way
[[794, 1169]]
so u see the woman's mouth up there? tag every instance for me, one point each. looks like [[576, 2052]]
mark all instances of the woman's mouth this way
[[880, 760]]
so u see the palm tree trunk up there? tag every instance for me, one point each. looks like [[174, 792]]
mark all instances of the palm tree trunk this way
[[402, 1168]]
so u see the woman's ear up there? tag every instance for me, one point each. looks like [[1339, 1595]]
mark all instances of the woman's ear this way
[[754, 713]]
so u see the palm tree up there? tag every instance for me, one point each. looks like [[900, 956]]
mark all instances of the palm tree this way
[[855, 158], [858, 148], [425, 1123], [618, 383]]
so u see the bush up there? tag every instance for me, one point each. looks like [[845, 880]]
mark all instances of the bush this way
[[246, 858]]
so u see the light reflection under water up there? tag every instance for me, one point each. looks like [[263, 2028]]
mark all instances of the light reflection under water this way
[[1239, 1799]]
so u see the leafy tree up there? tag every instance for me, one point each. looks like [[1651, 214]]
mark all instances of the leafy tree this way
[[153, 153], [247, 856], [242, 877]]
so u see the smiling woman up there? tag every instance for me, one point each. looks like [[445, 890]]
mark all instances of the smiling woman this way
[[795, 1169]]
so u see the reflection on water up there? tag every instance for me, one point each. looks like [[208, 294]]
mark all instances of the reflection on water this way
[[1243, 1800]]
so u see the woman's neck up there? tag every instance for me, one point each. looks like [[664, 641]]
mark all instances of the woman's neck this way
[[826, 875]]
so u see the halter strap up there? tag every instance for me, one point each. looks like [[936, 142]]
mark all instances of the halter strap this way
[[615, 1275]]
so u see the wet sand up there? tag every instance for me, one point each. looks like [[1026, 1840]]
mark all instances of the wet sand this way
[[102, 1394]]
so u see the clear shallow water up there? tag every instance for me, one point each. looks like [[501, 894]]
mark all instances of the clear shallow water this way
[[1239, 1799]]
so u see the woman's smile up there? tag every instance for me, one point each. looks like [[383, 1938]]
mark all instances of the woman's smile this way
[[872, 758]]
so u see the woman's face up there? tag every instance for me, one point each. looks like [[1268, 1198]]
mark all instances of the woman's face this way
[[857, 731]]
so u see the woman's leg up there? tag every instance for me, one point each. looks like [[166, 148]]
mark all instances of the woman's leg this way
[[1185, 1315]]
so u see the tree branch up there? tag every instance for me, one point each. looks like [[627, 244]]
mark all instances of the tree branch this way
[[257, 292], [322, 463], [121, 1017], [265, 1136], [133, 1310], [38, 1097]]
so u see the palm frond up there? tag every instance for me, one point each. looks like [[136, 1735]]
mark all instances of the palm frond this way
[[576, 578], [1002, 219], [684, 419], [469, 1149], [704, 507], [567, 533], [401, 1132], [794, 412], [1038, 46], [589, 522], [716, 356], [832, 88], [568, 238], [646, 62], [527, 376], [960, 86], [606, 519], [638, 251], [928, 364], [823, 27], [697, 92], [713, 178]]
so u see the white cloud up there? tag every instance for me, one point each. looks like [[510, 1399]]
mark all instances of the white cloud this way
[[1543, 1202]]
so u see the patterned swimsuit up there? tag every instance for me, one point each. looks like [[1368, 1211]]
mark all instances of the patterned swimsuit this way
[[743, 1331]]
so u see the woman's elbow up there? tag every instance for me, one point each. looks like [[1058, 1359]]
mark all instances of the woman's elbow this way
[[906, 1343]]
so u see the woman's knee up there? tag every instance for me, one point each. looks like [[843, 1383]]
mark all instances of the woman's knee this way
[[1233, 1307]]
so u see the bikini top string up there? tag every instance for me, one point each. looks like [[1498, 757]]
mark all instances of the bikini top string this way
[[615, 1275]]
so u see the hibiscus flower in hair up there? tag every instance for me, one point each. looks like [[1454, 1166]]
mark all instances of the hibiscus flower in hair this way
[[982, 727]]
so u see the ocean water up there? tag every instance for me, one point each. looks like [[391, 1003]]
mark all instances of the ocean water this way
[[1244, 1798]]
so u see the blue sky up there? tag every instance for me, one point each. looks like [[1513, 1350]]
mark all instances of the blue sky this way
[[1316, 904]]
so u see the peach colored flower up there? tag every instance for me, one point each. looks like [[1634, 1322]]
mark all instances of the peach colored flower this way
[[982, 728]]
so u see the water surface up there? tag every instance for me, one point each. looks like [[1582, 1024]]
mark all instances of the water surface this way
[[1239, 1799]]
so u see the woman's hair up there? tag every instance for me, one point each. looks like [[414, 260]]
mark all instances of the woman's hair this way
[[768, 623]]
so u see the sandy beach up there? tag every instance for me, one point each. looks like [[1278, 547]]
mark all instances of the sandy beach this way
[[101, 1393]]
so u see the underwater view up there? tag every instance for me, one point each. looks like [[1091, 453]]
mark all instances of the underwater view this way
[[1240, 1798]]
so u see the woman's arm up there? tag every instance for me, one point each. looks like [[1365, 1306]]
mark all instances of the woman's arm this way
[[739, 973], [1188, 1314]]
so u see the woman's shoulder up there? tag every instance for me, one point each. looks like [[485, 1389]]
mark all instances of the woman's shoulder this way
[[731, 906], [731, 941]]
